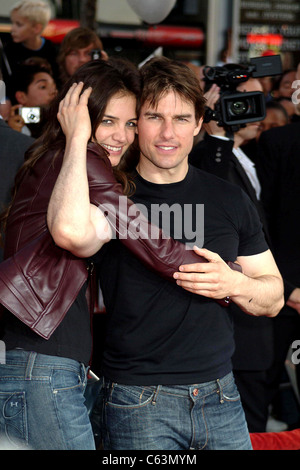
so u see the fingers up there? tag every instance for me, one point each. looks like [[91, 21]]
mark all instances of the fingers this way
[[210, 256], [75, 96], [14, 108], [212, 96], [84, 97], [66, 100]]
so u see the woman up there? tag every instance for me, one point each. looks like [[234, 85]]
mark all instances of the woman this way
[[51, 397], [43, 287]]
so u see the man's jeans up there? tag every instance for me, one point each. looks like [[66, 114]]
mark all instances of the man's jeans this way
[[42, 403], [181, 417]]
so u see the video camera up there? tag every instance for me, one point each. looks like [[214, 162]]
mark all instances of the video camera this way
[[234, 109]]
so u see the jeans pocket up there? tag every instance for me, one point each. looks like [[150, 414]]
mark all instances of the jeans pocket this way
[[13, 419], [129, 396], [230, 392], [64, 379]]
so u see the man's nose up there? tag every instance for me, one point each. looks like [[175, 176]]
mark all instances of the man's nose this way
[[167, 129]]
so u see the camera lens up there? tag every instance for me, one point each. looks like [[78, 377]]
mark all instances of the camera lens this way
[[31, 117], [239, 107]]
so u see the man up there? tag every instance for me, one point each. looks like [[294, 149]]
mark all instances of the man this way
[[254, 338], [161, 337], [13, 147], [279, 168]]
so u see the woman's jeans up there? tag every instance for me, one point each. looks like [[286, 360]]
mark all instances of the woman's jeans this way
[[181, 417], [42, 403]]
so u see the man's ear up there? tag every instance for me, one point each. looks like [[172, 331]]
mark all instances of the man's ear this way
[[198, 127], [21, 97]]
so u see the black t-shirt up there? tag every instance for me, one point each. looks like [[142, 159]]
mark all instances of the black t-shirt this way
[[157, 332], [72, 338]]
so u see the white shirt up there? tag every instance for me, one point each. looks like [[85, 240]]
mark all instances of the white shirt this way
[[247, 164]]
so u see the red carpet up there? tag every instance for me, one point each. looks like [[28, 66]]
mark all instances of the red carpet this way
[[285, 440]]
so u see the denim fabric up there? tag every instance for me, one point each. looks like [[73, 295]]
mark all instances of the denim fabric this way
[[42, 403], [202, 416]]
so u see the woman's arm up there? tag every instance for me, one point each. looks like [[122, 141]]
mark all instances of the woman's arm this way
[[74, 223]]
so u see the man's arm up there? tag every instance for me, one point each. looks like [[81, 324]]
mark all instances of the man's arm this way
[[257, 291]]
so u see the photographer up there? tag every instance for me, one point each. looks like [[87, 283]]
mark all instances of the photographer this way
[[34, 87], [78, 48], [223, 156]]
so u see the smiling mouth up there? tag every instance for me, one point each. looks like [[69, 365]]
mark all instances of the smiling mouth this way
[[110, 148], [166, 147]]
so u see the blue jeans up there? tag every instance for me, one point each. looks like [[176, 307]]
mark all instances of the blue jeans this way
[[181, 417], [42, 403]]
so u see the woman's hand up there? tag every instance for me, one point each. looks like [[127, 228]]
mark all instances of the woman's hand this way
[[73, 114]]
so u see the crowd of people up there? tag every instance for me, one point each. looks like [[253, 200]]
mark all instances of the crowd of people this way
[[191, 233]]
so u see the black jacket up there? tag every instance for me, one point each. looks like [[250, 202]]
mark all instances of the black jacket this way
[[253, 335]]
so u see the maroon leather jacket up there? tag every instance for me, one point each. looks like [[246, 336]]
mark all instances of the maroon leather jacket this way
[[38, 280]]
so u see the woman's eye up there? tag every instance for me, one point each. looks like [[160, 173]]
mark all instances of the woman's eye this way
[[131, 124]]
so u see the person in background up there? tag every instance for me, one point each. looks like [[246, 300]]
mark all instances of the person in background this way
[[13, 146], [76, 50], [279, 168], [230, 160], [29, 19], [276, 116], [282, 85], [33, 86]]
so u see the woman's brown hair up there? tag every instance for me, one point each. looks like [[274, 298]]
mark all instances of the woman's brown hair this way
[[77, 38], [106, 78]]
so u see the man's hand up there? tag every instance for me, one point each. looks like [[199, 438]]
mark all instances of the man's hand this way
[[258, 290], [214, 279]]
